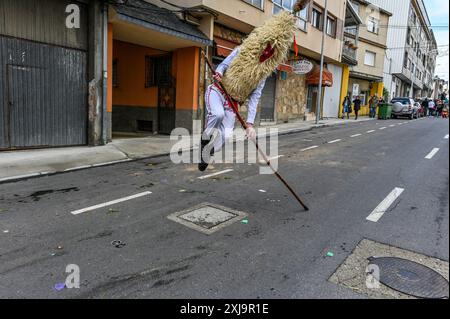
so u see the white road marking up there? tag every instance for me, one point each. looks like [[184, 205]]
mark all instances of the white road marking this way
[[371, 131], [276, 157], [384, 205], [356, 135], [392, 125], [383, 128], [400, 124], [446, 137], [215, 174], [335, 141], [432, 153], [120, 200], [309, 148]]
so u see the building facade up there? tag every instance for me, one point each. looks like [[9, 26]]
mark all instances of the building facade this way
[[51, 73], [288, 95], [366, 74], [412, 49]]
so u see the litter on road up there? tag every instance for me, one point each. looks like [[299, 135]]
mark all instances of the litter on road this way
[[245, 221], [118, 244], [60, 286], [330, 254]]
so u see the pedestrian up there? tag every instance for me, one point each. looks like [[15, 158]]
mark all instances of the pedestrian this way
[[439, 108], [373, 103], [346, 107], [431, 107], [425, 106], [357, 106]]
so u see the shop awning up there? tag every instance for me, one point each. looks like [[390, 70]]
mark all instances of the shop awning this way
[[285, 68], [224, 47], [147, 16], [313, 77]]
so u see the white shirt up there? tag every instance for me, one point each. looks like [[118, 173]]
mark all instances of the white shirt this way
[[431, 105], [254, 97]]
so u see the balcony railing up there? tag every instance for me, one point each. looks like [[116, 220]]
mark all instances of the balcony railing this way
[[349, 51], [349, 48]]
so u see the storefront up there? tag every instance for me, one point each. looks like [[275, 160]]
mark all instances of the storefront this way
[[155, 67]]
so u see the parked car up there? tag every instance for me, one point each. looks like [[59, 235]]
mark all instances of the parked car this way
[[404, 107]]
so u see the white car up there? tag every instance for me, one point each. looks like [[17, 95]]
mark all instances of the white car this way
[[404, 107]]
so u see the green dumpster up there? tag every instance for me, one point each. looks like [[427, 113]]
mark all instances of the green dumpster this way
[[385, 111]]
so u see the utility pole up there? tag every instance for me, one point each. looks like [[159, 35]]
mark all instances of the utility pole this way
[[413, 78], [319, 100]]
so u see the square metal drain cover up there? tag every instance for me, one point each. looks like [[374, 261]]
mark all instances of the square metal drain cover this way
[[207, 218]]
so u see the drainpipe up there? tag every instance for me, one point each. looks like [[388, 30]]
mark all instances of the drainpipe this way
[[104, 137], [319, 100]]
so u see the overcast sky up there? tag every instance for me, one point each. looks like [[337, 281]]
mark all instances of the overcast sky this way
[[438, 12]]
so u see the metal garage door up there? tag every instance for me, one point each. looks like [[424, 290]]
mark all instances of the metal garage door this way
[[268, 99], [43, 80]]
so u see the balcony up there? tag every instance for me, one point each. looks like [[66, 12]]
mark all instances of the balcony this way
[[351, 34], [349, 50]]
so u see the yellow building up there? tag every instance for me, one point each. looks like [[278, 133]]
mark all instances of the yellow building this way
[[368, 42]]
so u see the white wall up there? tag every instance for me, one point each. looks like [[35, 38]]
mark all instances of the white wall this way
[[331, 100]]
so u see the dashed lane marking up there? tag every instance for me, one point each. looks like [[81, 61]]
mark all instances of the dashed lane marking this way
[[215, 174], [309, 148], [113, 202], [432, 153], [335, 141], [382, 208]]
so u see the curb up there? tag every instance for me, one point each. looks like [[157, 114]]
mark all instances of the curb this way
[[17, 178]]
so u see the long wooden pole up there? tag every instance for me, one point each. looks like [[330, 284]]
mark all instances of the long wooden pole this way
[[261, 152]]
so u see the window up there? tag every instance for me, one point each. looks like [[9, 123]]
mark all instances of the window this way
[[150, 78], [316, 19], [413, 67], [412, 15], [279, 5], [158, 71], [408, 36], [355, 6], [369, 58], [303, 18], [372, 25], [115, 74], [406, 60], [256, 3], [331, 27]]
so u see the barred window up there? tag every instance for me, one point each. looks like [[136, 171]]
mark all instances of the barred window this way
[[150, 80]]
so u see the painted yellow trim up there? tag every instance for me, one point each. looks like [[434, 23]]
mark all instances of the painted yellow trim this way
[[344, 86]]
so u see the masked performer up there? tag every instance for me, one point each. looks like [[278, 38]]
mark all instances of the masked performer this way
[[243, 74]]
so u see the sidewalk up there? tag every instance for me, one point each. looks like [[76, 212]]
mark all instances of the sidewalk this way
[[16, 165]]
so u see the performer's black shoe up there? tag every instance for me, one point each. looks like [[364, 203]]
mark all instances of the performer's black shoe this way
[[203, 165]]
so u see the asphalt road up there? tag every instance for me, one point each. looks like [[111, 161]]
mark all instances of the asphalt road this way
[[280, 253]]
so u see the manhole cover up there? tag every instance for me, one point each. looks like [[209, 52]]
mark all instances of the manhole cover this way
[[411, 278], [207, 218]]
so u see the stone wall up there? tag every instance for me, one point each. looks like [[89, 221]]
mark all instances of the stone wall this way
[[228, 34], [290, 99]]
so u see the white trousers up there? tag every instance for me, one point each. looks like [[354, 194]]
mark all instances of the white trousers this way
[[220, 117]]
